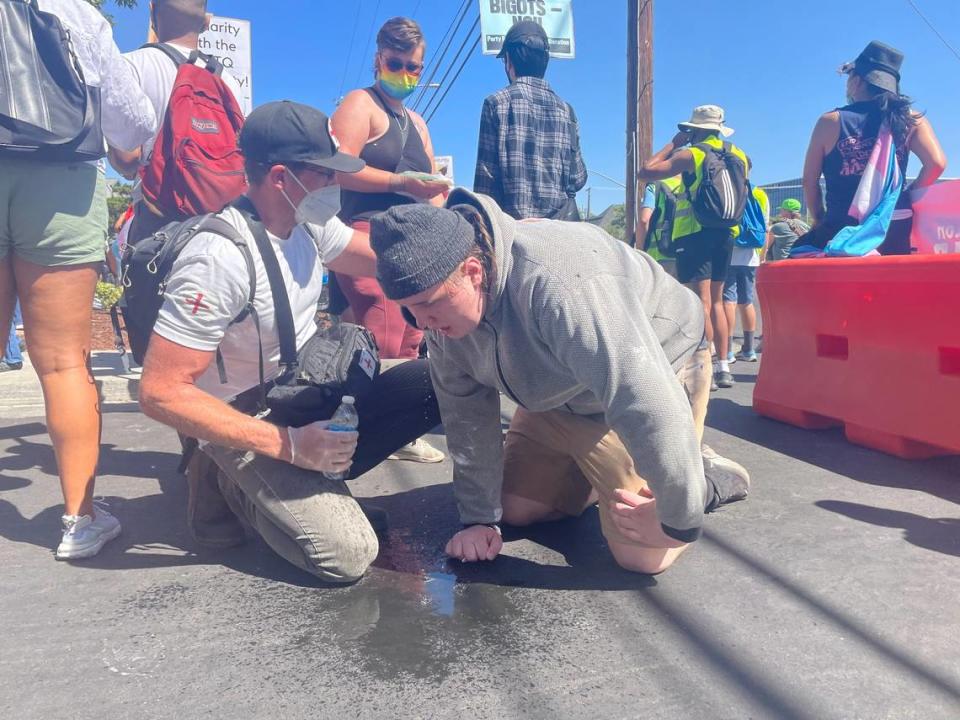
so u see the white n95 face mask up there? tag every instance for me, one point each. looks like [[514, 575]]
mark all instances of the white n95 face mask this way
[[318, 206]]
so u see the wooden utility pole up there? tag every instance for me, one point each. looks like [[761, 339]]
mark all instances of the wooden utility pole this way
[[639, 104]]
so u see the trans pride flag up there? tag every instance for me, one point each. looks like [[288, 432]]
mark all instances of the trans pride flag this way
[[874, 201]]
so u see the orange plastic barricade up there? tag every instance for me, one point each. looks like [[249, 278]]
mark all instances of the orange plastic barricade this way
[[871, 344]]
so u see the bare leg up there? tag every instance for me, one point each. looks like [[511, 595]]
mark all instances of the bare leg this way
[[730, 309], [8, 292], [57, 308], [748, 316], [644, 559], [721, 332], [702, 289]]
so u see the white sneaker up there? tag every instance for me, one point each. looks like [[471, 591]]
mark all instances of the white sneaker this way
[[419, 451], [84, 536]]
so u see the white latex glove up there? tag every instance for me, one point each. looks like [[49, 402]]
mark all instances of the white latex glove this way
[[315, 448]]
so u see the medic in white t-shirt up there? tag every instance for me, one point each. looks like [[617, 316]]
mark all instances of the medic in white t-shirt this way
[[291, 161]]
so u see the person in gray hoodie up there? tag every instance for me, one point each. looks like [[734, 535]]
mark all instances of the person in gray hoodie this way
[[589, 337]]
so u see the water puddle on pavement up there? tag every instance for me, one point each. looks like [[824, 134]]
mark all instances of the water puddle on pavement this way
[[440, 588]]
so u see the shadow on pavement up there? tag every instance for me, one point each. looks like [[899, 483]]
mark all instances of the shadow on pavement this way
[[422, 519], [847, 624], [829, 449], [938, 534]]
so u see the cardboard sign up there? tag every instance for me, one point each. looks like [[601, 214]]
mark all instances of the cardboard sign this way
[[556, 17], [229, 40], [936, 219]]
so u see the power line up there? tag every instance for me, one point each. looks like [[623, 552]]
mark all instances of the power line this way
[[373, 24], [346, 63], [453, 62], [606, 177], [442, 51], [413, 15], [476, 44], [935, 31]]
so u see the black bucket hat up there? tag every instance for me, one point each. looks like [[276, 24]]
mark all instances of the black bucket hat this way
[[879, 65]]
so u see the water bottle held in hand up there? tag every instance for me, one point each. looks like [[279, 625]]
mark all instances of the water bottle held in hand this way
[[345, 419], [323, 305]]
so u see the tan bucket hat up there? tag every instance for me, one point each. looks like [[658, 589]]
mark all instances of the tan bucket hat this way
[[707, 117]]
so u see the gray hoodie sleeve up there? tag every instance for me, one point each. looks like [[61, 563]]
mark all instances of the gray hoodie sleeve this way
[[617, 356], [471, 420]]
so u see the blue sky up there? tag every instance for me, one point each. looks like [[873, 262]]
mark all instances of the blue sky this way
[[771, 64]]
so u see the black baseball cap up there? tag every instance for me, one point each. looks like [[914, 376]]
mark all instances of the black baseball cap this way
[[288, 132], [527, 33]]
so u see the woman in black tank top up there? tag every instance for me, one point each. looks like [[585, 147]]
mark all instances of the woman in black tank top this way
[[374, 124], [844, 138]]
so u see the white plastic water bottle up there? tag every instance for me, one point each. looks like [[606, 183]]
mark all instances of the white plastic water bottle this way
[[345, 419]]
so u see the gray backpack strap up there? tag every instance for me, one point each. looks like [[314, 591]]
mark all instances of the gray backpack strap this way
[[221, 227]]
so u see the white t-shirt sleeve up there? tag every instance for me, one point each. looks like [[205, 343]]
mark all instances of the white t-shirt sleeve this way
[[207, 289], [332, 239], [128, 118]]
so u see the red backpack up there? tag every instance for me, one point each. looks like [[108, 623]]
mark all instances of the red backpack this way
[[196, 166]]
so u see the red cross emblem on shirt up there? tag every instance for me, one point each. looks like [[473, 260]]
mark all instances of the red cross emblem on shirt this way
[[196, 303]]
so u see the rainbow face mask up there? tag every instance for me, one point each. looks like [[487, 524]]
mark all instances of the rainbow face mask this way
[[397, 84]]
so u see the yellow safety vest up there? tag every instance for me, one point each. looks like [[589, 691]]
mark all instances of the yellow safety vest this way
[[671, 185], [685, 222]]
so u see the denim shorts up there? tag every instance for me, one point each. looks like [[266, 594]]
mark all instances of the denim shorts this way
[[740, 284]]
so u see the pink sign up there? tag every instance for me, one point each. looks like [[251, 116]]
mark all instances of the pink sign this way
[[936, 219]]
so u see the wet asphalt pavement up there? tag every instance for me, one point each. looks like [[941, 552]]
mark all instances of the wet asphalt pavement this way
[[831, 593]]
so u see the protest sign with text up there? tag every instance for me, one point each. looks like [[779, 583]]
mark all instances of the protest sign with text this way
[[229, 40], [556, 17]]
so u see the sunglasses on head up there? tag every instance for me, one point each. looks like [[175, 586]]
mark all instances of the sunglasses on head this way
[[396, 65]]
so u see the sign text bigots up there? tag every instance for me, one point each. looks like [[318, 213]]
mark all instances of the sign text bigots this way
[[556, 17], [229, 40]]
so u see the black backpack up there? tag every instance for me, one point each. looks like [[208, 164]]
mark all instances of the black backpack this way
[[660, 230], [147, 265], [722, 195], [311, 382], [47, 110]]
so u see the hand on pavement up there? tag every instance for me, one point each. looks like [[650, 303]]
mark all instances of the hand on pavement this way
[[477, 542], [315, 448], [635, 516]]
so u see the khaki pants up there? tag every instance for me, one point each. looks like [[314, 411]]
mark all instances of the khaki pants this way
[[557, 459]]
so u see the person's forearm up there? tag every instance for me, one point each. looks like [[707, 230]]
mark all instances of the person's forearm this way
[[927, 176], [372, 180], [125, 163], [814, 197], [197, 414], [656, 168]]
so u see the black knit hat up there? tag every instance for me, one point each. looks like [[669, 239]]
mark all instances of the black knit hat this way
[[417, 247]]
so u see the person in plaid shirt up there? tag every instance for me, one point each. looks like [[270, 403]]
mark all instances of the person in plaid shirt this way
[[528, 154]]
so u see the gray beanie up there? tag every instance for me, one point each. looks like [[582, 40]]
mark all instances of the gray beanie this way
[[418, 246]]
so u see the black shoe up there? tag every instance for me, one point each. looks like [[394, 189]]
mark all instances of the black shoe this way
[[723, 378], [7, 367], [727, 481], [377, 517], [209, 518]]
